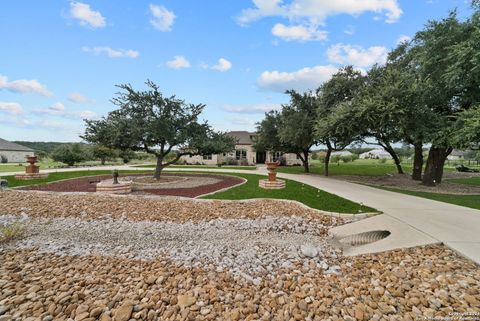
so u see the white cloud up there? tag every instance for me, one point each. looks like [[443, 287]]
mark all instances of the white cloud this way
[[222, 65], [251, 109], [315, 11], [24, 86], [11, 108], [163, 19], [403, 38], [356, 55], [78, 98], [349, 30], [178, 62], [87, 17], [301, 80], [242, 121], [58, 109], [112, 53], [298, 32]]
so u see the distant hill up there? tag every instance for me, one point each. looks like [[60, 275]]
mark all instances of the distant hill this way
[[46, 147]]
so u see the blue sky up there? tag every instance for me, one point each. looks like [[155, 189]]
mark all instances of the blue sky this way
[[60, 60]]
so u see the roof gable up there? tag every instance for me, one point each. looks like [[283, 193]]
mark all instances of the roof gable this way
[[6, 145]]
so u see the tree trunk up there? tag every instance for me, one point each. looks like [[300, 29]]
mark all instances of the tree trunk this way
[[434, 168], [103, 161], [327, 160], [417, 162], [158, 168], [395, 157], [306, 166]]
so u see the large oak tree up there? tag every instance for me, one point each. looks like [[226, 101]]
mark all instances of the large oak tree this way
[[147, 121]]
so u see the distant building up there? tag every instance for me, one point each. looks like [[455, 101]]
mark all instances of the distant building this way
[[244, 153], [375, 154], [14, 153], [343, 153], [456, 155]]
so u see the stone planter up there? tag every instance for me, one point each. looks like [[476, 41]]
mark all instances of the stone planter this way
[[272, 182], [32, 171]]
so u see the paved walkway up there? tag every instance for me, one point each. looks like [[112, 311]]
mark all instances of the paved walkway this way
[[416, 220]]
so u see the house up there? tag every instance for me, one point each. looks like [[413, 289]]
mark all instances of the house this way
[[13, 153], [456, 155], [375, 154], [244, 154], [343, 153]]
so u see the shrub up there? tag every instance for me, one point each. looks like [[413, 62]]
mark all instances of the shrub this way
[[231, 161], [382, 160], [335, 159], [3, 159], [69, 154], [11, 231]]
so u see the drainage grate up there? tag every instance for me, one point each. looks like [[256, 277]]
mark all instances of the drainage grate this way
[[364, 238]]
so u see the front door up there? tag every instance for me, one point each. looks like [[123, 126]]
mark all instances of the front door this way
[[261, 157]]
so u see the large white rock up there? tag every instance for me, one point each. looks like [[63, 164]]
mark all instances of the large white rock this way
[[309, 250]]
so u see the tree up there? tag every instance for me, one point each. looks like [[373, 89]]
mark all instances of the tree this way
[[333, 125], [290, 130], [467, 129], [103, 153], [126, 155], [297, 126], [447, 55], [147, 121], [69, 154]]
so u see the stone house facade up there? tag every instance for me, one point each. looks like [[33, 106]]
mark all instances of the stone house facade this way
[[14, 153], [244, 154]]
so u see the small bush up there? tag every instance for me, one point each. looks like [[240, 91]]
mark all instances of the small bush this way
[[3, 159], [11, 231], [382, 160]]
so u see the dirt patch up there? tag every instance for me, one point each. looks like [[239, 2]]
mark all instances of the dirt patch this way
[[406, 183], [194, 185]]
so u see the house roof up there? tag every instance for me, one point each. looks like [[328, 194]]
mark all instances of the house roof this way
[[376, 152], [6, 145], [457, 152], [242, 137]]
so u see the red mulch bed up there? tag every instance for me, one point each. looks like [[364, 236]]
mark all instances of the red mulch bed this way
[[87, 184]]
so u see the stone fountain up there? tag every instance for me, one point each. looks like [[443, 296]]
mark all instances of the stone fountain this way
[[272, 182], [32, 171], [113, 186]]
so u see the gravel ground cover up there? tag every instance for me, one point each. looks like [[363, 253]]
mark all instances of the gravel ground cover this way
[[258, 245], [120, 258], [193, 185], [90, 206], [409, 284]]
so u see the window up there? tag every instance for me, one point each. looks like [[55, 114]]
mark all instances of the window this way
[[207, 157], [277, 156], [240, 154]]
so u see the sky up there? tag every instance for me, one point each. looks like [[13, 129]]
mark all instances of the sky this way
[[60, 60]]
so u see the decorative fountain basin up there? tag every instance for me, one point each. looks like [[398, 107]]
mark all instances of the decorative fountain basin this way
[[272, 182]]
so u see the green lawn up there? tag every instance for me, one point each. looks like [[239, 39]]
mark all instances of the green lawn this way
[[358, 167], [472, 201], [52, 177], [202, 166], [305, 194], [466, 181]]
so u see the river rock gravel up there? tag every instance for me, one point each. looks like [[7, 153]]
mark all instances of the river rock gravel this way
[[90, 206], [245, 247], [410, 284], [88, 257]]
